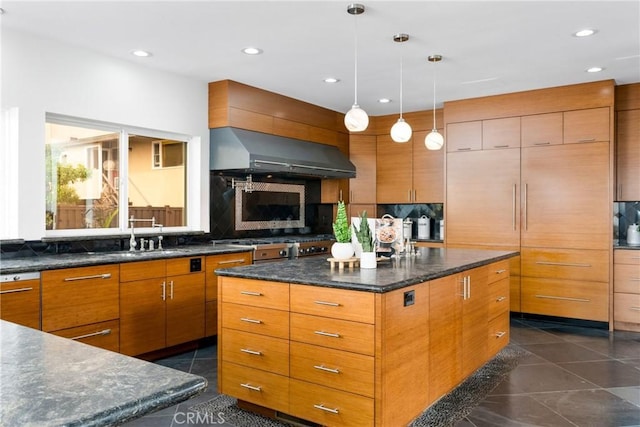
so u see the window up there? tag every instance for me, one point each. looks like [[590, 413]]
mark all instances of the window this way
[[98, 175]]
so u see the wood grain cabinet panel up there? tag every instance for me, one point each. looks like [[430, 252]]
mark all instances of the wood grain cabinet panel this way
[[498, 298], [258, 293], [590, 125], [627, 311], [256, 386], [362, 153], [499, 334], [79, 296], [428, 171], [258, 320], [626, 288], [394, 171], [628, 155], [573, 264], [542, 129], [334, 303], [20, 302], [256, 351], [501, 133], [465, 136], [104, 334], [333, 333]]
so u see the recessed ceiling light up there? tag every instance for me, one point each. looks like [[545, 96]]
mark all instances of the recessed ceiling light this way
[[331, 80], [585, 33], [594, 69], [252, 51], [140, 53], [384, 100]]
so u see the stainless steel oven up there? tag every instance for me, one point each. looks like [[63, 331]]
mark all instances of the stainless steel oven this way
[[305, 248]]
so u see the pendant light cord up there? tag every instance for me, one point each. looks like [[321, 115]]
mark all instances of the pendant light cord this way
[[401, 85], [355, 78], [434, 96]]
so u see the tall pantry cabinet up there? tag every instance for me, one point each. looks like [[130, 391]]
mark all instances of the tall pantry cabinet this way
[[532, 172]]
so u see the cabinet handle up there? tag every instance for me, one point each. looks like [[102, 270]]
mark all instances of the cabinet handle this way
[[164, 290], [251, 387], [324, 368], [469, 287], [464, 288], [564, 264], [619, 194], [327, 334], [251, 293], [324, 408], [95, 276], [11, 291], [542, 143], [513, 207], [332, 304], [500, 334], [587, 140], [246, 350], [563, 298], [94, 334], [500, 299], [635, 308], [525, 207], [415, 195], [246, 319], [501, 146], [464, 149], [171, 289], [501, 271], [231, 261], [409, 194]]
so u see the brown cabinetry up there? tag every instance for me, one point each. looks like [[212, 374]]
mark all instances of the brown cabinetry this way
[[465, 136], [20, 301], [542, 129], [501, 133], [626, 289], [82, 303], [628, 155], [161, 304], [362, 153], [213, 263], [589, 125], [335, 190]]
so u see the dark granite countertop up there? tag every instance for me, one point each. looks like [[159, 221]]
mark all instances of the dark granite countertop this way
[[83, 259], [47, 380], [391, 274], [625, 245]]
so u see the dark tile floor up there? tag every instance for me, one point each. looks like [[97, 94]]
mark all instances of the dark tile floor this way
[[575, 376]]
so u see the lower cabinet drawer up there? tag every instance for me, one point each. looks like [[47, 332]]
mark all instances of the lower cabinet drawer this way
[[498, 297], [259, 320], [104, 334], [257, 351], [570, 264], [255, 386], [566, 298], [329, 407], [626, 278], [626, 307], [498, 333], [333, 333], [333, 368]]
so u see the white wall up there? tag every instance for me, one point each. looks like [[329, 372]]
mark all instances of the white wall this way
[[40, 76]]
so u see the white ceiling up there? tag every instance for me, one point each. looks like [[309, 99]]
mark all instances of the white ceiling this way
[[489, 47]]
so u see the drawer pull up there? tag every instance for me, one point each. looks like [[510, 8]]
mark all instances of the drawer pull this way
[[251, 293], [10, 291], [251, 387], [324, 408], [327, 334], [563, 298], [464, 149], [564, 264], [500, 334], [500, 299], [635, 308], [95, 276], [501, 271], [332, 304], [246, 350], [587, 140], [230, 261], [246, 319], [541, 143], [94, 334], [324, 368]]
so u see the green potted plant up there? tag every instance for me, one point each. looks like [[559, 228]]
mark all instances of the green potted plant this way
[[342, 248], [365, 238]]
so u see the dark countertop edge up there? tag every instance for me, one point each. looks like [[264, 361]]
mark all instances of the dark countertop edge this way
[[150, 404], [369, 288], [626, 246], [165, 232], [84, 260]]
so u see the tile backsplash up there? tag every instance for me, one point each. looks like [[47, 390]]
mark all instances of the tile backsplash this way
[[624, 214]]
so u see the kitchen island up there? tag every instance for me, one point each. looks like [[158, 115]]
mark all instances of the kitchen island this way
[[358, 347], [47, 380]]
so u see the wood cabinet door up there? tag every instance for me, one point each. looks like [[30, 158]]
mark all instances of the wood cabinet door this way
[[501, 133], [362, 153], [394, 178], [483, 198], [335, 190], [142, 316], [475, 318], [465, 136], [565, 196], [541, 129], [185, 308], [445, 335], [428, 171], [591, 125], [628, 155], [20, 302]]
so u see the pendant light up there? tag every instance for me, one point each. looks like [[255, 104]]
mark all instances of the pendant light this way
[[401, 131], [356, 119], [434, 140]]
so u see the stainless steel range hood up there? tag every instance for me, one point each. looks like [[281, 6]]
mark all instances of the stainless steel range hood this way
[[236, 150]]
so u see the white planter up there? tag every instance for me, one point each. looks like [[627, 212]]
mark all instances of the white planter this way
[[368, 260], [342, 250]]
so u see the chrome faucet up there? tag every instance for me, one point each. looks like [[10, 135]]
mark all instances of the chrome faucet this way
[[132, 239], [154, 225]]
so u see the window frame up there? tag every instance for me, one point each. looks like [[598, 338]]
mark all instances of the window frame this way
[[124, 131]]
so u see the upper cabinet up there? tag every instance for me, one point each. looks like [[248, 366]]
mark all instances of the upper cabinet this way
[[628, 142], [501, 133], [362, 153], [542, 129], [465, 136], [591, 125]]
